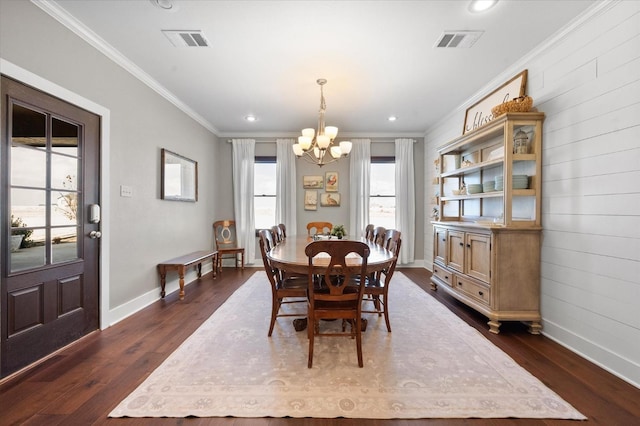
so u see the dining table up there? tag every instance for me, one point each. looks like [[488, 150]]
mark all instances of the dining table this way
[[289, 256]]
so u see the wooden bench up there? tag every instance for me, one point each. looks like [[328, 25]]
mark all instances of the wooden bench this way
[[181, 263]]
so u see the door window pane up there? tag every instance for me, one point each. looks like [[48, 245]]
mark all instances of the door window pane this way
[[29, 167], [65, 200], [64, 172], [28, 127], [64, 137], [27, 258], [65, 244]]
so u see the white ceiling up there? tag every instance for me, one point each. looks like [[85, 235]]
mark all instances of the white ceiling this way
[[265, 56]]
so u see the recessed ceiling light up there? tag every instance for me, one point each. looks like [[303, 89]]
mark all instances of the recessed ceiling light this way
[[250, 118], [392, 118], [166, 5], [481, 5]]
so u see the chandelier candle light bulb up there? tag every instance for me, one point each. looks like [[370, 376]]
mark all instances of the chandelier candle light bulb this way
[[313, 146]]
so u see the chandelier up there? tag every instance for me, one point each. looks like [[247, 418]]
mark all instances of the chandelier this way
[[314, 147]]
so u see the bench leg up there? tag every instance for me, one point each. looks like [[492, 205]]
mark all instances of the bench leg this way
[[199, 270], [181, 274], [163, 280]]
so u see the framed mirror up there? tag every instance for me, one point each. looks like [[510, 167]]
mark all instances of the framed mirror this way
[[179, 180]]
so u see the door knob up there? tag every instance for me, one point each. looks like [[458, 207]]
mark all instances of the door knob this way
[[95, 234]]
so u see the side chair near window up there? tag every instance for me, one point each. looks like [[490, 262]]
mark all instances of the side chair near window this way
[[377, 286], [224, 232], [283, 290], [340, 295], [319, 228]]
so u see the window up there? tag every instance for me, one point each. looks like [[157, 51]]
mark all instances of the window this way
[[264, 192], [382, 192]]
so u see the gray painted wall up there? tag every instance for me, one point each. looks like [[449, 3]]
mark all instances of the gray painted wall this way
[[144, 229]]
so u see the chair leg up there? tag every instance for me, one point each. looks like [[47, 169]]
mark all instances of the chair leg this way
[[311, 328], [385, 304], [359, 341], [275, 307]]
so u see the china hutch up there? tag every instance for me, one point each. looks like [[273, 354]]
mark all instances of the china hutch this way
[[487, 234]]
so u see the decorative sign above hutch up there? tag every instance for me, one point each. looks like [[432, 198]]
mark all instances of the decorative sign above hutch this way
[[479, 113]]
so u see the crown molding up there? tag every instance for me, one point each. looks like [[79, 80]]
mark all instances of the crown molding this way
[[61, 15], [341, 136]]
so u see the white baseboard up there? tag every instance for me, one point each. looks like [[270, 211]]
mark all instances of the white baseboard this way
[[125, 310], [617, 365]]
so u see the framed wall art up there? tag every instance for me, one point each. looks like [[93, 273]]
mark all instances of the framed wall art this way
[[331, 181], [330, 199], [179, 177], [479, 113], [312, 182], [311, 199]]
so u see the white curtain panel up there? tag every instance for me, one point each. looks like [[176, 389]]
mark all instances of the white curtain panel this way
[[243, 160], [286, 206], [359, 172], [405, 199]]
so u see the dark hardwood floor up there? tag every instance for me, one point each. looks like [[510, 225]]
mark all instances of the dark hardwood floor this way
[[81, 384]]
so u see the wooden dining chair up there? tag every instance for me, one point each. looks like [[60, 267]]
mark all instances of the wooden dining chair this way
[[376, 289], [277, 233], [283, 229], [378, 235], [368, 232], [319, 228], [283, 290], [336, 298], [224, 232]]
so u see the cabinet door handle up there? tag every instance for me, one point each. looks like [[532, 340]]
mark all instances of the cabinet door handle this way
[[459, 283], [444, 240], [462, 244], [446, 277], [480, 293], [469, 245]]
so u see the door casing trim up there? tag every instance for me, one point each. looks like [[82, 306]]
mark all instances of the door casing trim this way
[[27, 77]]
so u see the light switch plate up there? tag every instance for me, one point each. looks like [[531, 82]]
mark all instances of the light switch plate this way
[[126, 191]]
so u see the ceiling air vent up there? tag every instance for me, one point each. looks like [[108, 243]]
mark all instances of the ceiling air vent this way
[[458, 38], [186, 38]]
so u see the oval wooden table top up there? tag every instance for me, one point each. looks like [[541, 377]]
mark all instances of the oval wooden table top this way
[[289, 256]]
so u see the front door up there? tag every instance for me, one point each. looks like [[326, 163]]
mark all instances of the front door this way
[[49, 180]]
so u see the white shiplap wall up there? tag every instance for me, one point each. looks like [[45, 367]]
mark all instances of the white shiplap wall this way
[[587, 82]]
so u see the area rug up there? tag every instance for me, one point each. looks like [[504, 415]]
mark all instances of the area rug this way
[[432, 365]]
